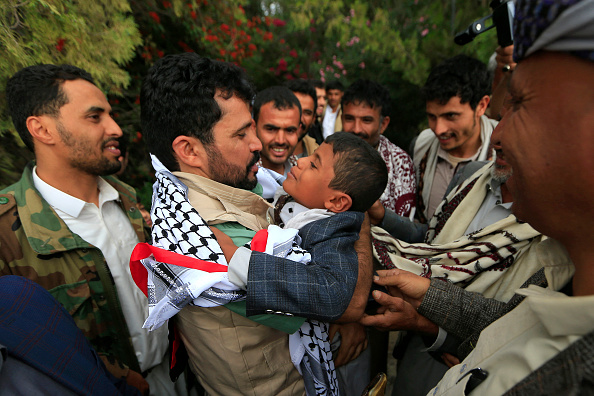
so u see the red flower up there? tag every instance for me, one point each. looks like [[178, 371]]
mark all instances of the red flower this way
[[225, 27], [222, 52], [252, 47], [267, 36], [166, 4], [278, 22], [155, 17], [160, 53], [193, 14], [293, 53], [60, 44], [282, 64]]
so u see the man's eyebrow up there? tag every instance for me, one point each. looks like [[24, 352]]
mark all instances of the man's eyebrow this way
[[245, 126], [95, 109], [271, 126]]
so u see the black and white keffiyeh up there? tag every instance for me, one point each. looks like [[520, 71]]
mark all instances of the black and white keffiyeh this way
[[185, 265]]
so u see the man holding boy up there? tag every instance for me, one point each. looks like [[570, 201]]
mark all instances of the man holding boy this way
[[212, 147]]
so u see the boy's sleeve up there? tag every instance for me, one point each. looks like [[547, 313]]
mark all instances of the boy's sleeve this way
[[321, 290]]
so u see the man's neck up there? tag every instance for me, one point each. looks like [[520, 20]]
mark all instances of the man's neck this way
[[71, 181], [278, 168], [581, 253], [334, 109], [470, 148], [299, 148], [506, 196]]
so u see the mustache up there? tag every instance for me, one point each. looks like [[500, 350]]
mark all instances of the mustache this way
[[105, 142], [255, 159]]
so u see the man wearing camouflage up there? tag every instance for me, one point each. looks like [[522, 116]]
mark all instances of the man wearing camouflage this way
[[71, 230]]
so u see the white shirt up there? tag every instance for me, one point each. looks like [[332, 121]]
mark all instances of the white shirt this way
[[107, 227], [329, 121]]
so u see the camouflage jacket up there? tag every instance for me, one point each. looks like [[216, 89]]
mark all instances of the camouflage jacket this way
[[36, 244]]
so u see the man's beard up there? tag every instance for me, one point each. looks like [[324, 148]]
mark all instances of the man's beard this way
[[501, 173], [81, 151], [229, 174]]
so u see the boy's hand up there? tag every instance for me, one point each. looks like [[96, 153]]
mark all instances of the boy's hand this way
[[227, 245]]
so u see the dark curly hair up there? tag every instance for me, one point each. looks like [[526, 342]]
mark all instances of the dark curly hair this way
[[369, 92], [461, 76], [178, 98]]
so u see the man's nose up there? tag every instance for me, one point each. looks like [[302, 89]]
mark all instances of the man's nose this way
[[440, 127], [112, 128], [254, 143]]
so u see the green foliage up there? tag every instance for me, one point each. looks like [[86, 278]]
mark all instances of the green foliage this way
[[98, 36], [394, 42]]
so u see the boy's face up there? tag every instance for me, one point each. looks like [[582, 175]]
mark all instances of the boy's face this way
[[307, 182]]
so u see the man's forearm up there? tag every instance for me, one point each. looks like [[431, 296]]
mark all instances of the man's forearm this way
[[403, 228]]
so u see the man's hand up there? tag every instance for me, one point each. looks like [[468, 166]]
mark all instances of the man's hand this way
[[376, 213], [136, 380], [406, 285], [399, 307], [353, 341], [227, 245], [450, 360]]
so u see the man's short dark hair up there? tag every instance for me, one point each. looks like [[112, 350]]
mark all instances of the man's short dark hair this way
[[37, 90], [178, 99], [281, 97], [304, 87], [461, 76], [359, 170], [334, 85], [370, 93], [318, 84]]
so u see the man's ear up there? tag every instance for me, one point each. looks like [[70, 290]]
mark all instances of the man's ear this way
[[384, 125], [482, 105], [189, 152], [339, 202], [40, 129]]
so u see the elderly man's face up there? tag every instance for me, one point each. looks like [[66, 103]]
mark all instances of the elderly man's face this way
[[547, 137]]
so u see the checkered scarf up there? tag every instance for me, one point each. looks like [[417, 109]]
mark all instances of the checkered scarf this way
[[185, 265]]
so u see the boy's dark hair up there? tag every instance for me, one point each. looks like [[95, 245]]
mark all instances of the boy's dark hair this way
[[281, 97], [37, 90], [359, 170], [370, 93], [304, 87], [461, 76], [334, 85], [178, 99]]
